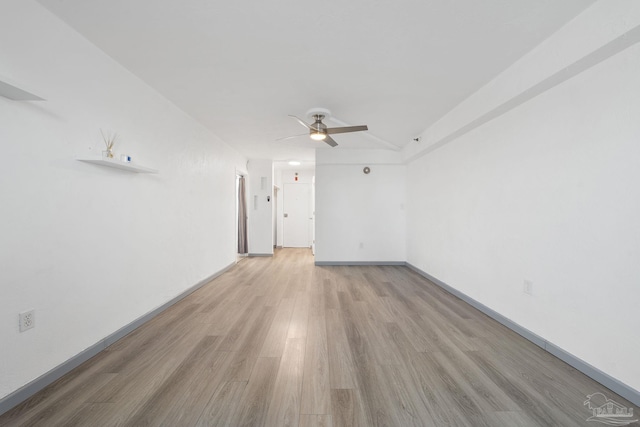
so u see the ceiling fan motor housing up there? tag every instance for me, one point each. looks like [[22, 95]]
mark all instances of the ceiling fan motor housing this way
[[318, 125]]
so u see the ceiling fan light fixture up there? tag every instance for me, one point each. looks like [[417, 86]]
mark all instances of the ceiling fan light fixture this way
[[318, 136], [318, 131]]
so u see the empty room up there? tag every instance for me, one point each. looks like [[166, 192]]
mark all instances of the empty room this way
[[296, 213]]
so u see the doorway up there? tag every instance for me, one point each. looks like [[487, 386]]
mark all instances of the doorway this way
[[275, 216], [241, 216], [297, 224]]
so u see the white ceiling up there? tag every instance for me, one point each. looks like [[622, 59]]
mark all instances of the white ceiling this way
[[240, 67]]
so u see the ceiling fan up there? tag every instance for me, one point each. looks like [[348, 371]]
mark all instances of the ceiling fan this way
[[318, 131]]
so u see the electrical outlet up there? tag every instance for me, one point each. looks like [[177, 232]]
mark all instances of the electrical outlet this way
[[27, 320], [527, 287]]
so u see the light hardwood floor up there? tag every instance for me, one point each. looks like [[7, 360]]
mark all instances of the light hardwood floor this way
[[281, 342]]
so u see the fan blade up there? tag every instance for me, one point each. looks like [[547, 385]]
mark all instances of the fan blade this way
[[301, 122], [330, 141], [346, 129], [291, 137]]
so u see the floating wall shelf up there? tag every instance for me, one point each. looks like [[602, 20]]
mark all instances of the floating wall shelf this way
[[16, 94], [112, 163]]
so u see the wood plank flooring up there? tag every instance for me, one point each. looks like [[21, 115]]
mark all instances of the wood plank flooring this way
[[281, 342]]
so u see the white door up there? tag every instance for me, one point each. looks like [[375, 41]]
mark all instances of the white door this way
[[297, 216]]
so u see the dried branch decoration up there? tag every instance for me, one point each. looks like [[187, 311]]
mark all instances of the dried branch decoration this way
[[109, 140]]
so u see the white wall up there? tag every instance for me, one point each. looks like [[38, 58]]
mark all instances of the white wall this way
[[259, 210], [90, 248], [548, 192], [360, 218]]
